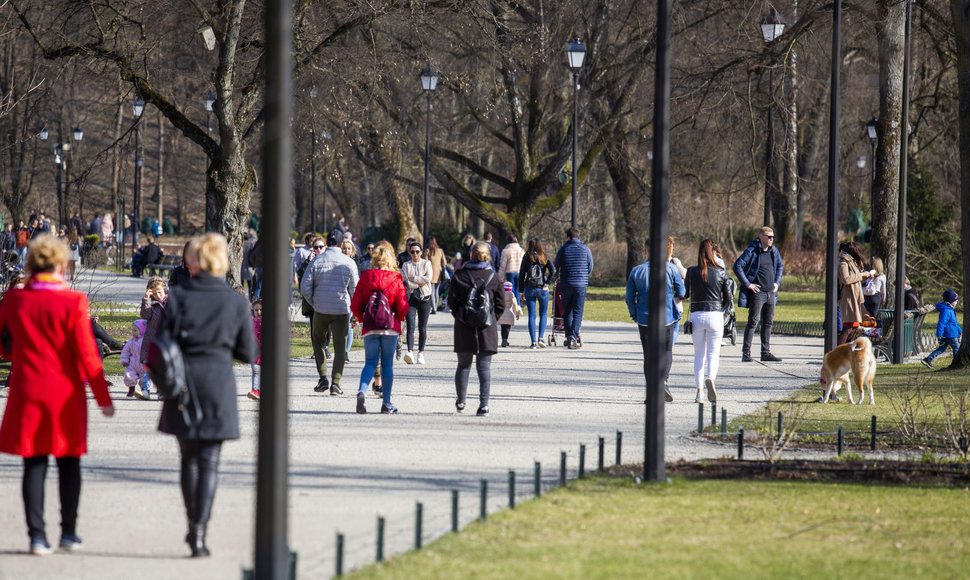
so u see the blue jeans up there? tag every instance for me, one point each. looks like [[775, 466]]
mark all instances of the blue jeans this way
[[573, 301], [513, 277], [944, 344], [536, 297], [350, 334], [379, 347]]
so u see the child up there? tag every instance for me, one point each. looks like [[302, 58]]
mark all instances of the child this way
[[258, 331], [131, 356], [512, 312], [948, 332], [152, 310]]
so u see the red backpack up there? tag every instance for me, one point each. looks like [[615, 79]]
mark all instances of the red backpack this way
[[377, 313]]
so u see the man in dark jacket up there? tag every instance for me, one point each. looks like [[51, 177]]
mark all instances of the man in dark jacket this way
[[150, 254], [575, 263], [759, 269], [495, 255]]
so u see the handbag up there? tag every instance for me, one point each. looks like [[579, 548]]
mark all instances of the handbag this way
[[164, 361]]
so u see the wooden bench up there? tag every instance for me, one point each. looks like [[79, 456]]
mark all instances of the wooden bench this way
[[912, 340], [169, 262]]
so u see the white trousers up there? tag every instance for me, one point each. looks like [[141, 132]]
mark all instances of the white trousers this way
[[708, 328]]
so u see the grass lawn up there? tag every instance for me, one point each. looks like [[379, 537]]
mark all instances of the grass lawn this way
[[612, 528]]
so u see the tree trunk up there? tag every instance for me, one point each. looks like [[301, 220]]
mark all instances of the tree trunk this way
[[616, 156], [790, 188], [230, 188], [960, 10], [889, 32]]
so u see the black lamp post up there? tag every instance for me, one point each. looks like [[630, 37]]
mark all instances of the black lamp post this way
[[137, 108], [210, 101], [78, 135], [832, 207], [898, 336], [429, 81], [772, 26], [873, 135], [576, 53], [313, 167], [59, 153]]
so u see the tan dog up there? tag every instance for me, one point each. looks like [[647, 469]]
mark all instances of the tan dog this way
[[855, 356]]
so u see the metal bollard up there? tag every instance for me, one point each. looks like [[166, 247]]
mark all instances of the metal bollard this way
[[454, 510], [599, 463], [582, 460], [700, 417], [723, 422], [619, 446], [380, 539], [511, 489], [872, 434], [562, 468], [841, 442], [418, 512], [482, 505], [713, 414], [740, 443], [781, 424], [340, 555], [537, 481]]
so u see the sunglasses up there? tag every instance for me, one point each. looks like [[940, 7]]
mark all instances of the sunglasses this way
[[319, 247], [415, 251], [770, 237]]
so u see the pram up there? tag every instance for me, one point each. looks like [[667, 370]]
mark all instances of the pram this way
[[730, 317], [558, 325]]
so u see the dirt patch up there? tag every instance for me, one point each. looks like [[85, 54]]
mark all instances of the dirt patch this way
[[906, 472]]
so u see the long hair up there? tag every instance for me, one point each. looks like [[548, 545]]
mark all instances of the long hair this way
[[432, 247], [383, 257], [705, 258], [535, 248], [855, 251], [670, 249]]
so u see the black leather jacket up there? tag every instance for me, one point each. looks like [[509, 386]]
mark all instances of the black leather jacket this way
[[711, 296]]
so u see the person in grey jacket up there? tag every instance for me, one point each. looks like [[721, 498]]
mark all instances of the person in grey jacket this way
[[210, 338], [328, 285], [575, 264]]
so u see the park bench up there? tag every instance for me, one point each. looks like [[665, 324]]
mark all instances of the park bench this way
[[913, 342], [169, 262]]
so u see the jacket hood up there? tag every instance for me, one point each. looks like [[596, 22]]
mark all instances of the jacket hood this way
[[476, 265], [941, 306], [140, 325]]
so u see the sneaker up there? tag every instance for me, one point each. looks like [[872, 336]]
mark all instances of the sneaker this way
[[459, 406], [347, 357], [698, 398], [335, 390], [388, 410], [746, 358], [927, 363], [482, 411], [505, 344], [377, 389], [574, 345], [397, 354], [421, 358], [711, 391], [534, 346], [143, 394], [409, 357], [541, 344], [768, 357], [254, 394], [361, 406], [40, 547], [668, 397], [131, 392], [568, 343], [323, 385], [70, 543]]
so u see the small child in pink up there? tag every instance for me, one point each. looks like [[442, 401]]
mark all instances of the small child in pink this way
[[131, 356]]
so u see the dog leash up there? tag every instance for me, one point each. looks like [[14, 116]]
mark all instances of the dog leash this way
[[811, 380]]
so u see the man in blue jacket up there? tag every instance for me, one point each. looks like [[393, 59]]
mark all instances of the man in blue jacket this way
[[637, 291], [759, 269], [574, 262]]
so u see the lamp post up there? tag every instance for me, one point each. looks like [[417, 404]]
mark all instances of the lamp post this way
[[832, 207], [898, 336], [429, 81], [78, 135], [313, 166], [137, 108], [873, 135], [576, 53], [59, 162], [772, 26]]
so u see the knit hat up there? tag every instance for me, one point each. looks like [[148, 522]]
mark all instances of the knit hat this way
[[507, 286], [141, 324], [950, 296]]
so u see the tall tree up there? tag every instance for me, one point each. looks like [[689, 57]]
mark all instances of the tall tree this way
[[960, 11]]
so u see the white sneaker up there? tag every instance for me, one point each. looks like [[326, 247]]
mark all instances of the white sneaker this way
[[711, 391], [698, 398], [541, 344], [143, 394], [409, 357], [420, 358]]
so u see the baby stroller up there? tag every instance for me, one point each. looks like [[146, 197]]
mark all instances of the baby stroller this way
[[730, 320], [558, 325]]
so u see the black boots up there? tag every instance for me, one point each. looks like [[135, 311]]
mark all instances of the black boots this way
[[196, 540]]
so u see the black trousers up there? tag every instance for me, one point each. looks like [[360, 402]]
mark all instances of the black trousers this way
[[668, 359], [761, 306], [483, 365], [69, 486], [417, 317], [200, 474]]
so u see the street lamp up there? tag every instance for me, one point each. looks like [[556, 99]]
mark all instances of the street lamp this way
[[898, 344], [832, 205], [576, 53], [429, 81], [137, 108], [873, 135], [210, 101], [313, 166], [44, 133], [59, 161], [772, 26]]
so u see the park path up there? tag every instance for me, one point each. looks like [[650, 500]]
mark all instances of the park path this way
[[346, 469]]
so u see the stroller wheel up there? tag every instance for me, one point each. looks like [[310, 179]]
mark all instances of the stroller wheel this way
[[734, 336]]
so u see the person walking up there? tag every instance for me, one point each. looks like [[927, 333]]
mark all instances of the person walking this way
[[257, 309], [683, 274], [328, 285], [575, 264], [759, 270], [948, 332], [209, 338], [709, 291], [380, 303], [53, 356], [493, 252], [476, 339], [510, 262], [512, 313], [851, 276], [439, 266], [417, 274], [536, 274], [637, 296]]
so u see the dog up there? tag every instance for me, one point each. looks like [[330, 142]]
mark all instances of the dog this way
[[855, 356]]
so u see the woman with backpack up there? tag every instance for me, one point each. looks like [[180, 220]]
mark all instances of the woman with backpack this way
[[476, 301], [380, 303], [536, 274]]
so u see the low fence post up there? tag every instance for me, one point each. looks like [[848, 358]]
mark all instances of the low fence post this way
[[619, 446], [454, 510], [601, 460], [482, 500], [582, 459], [700, 417], [418, 517], [511, 489], [781, 424], [537, 481], [841, 441], [340, 555], [713, 413], [380, 539], [723, 422], [872, 434], [740, 443], [562, 468]]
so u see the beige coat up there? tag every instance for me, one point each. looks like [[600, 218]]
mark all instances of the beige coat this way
[[512, 310], [438, 263], [850, 293]]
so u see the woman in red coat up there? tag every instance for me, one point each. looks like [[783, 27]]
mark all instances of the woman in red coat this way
[[45, 331]]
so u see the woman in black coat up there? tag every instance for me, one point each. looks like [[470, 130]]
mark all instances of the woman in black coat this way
[[210, 338], [470, 340]]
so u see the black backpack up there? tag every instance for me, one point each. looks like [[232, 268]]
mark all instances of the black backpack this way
[[305, 308], [533, 276], [478, 310]]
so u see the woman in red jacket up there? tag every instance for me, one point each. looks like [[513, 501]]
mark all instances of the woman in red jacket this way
[[381, 332], [45, 331]]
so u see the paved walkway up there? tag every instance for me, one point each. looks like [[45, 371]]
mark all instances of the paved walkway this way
[[346, 469]]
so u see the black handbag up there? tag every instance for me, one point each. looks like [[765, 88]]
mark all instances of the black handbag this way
[[166, 366]]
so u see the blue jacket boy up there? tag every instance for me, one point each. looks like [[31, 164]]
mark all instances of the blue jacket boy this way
[[947, 326]]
